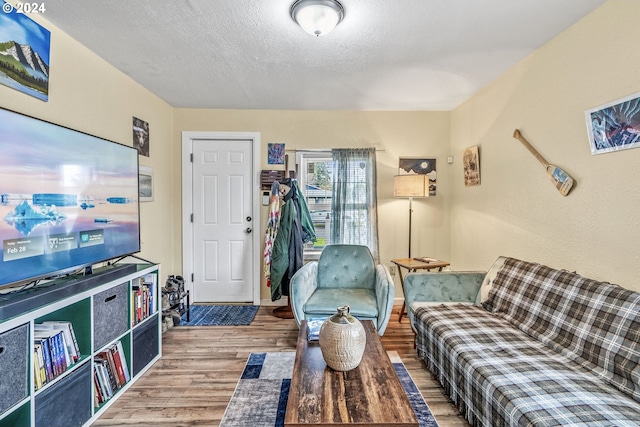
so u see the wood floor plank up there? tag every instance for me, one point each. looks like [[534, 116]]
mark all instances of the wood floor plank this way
[[194, 380]]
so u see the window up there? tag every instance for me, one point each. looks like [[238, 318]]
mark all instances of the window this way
[[339, 188], [315, 173]]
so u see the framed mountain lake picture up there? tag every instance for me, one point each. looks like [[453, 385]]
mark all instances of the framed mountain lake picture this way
[[24, 52]]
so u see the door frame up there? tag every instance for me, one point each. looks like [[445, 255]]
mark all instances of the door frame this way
[[187, 202]]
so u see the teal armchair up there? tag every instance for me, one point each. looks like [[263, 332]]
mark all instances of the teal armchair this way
[[344, 275]]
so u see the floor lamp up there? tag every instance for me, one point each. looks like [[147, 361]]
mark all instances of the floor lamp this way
[[411, 186]]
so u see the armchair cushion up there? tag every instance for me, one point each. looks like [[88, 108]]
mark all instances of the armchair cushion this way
[[346, 266], [324, 302]]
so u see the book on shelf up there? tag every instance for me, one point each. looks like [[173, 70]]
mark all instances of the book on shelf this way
[[111, 372], [55, 350], [105, 357], [39, 372], [142, 300], [69, 335], [123, 361], [43, 343], [61, 346], [102, 378], [150, 281], [98, 397], [118, 365]]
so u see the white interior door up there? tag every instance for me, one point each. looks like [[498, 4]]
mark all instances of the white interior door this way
[[223, 225]]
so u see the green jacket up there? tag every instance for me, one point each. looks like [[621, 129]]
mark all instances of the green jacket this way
[[295, 229]]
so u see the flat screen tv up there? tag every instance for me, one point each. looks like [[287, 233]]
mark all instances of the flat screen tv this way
[[68, 199]]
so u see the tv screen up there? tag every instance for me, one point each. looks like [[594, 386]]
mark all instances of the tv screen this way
[[67, 199]]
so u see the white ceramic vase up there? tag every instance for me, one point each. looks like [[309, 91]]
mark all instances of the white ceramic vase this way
[[342, 340]]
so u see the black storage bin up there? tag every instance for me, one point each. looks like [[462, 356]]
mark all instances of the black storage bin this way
[[68, 402], [110, 315], [145, 344], [14, 357]]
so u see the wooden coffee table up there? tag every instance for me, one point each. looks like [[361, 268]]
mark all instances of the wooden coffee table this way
[[370, 394]]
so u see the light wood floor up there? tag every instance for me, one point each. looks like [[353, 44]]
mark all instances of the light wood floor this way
[[193, 381]]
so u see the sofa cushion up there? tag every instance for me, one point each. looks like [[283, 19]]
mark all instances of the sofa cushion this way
[[483, 295], [595, 324], [499, 376], [325, 301]]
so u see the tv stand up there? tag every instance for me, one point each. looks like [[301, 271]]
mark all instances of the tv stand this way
[[106, 319], [35, 297]]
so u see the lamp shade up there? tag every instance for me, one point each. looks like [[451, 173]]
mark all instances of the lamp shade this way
[[317, 17], [411, 186]]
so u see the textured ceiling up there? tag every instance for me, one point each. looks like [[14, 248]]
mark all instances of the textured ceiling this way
[[249, 54]]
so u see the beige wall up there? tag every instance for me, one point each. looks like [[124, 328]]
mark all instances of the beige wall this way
[[516, 211], [395, 134], [88, 94]]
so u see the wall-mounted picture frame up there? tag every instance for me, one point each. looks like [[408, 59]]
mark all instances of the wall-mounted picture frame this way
[[141, 136], [471, 166], [614, 126], [145, 180], [420, 166], [275, 153], [25, 67]]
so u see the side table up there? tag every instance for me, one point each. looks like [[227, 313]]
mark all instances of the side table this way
[[412, 265]]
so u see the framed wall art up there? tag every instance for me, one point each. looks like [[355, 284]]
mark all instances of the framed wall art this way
[[275, 153], [471, 166], [614, 126], [145, 179], [421, 166], [25, 45], [141, 136]]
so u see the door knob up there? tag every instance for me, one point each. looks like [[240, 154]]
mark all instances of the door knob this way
[[248, 230]]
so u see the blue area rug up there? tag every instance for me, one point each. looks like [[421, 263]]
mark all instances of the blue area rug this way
[[220, 315], [260, 397]]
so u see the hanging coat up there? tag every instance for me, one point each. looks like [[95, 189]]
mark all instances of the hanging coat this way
[[295, 229], [272, 229]]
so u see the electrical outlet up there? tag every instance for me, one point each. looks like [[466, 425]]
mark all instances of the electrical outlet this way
[[392, 270]]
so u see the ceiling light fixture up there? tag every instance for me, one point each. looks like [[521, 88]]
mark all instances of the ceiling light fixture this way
[[317, 17]]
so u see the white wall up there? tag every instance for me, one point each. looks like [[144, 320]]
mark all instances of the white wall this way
[[516, 211], [88, 94]]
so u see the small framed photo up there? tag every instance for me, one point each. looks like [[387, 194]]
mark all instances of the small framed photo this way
[[141, 136], [145, 180], [275, 153], [614, 126], [471, 166]]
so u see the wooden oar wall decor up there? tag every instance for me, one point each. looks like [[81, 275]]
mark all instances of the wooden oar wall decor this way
[[562, 181]]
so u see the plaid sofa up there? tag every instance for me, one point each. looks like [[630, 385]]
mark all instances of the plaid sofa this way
[[534, 346]]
